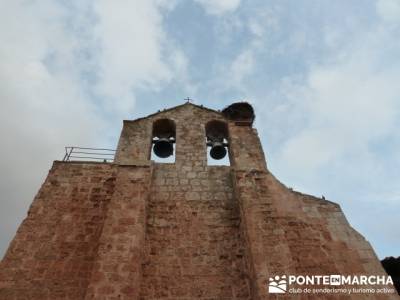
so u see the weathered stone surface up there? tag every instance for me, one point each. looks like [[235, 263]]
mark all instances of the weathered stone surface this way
[[185, 230], [54, 250], [117, 270], [194, 248]]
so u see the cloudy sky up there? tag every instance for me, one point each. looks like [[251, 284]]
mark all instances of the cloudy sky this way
[[323, 76]]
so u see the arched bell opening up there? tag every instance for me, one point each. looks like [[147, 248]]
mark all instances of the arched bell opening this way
[[163, 140], [217, 143]]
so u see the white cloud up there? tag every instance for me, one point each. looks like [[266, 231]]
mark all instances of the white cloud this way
[[343, 113], [68, 70], [350, 102], [130, 55], [63, 70], [389, 10], [218, 7], [265, 21], [335, 126], [43, 106], [242, 66]]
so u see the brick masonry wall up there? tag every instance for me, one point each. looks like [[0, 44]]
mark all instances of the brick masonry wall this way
[[52, 254], [134, 143], [118, 267], [137, 230], [190, 121], [194, 249], [245, 148], [291, 233], [287, 232]]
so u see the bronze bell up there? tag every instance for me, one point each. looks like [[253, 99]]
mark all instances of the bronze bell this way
[[218, 150], [163, 147]]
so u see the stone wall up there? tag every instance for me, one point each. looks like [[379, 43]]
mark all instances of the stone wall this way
[[139, 230], [286, 232], [52, 254], [193, 245], [134, 143], [83, 236], [190, 121], [118, 266]]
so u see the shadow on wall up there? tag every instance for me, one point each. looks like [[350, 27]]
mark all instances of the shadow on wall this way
[[392, 267]]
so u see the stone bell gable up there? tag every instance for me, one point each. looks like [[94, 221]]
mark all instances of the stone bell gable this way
[[181, 229]]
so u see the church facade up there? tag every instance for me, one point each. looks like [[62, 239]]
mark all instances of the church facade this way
[[139, 229]]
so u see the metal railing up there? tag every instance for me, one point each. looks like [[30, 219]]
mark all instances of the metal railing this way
[[88, 154]]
